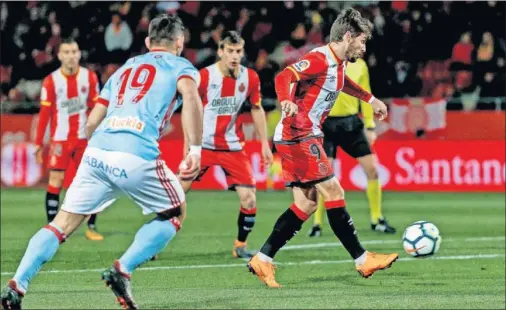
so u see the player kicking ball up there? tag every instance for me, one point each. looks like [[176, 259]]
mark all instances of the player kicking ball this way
[[343, 128], [122, 156], [224, 87], [318, 77]]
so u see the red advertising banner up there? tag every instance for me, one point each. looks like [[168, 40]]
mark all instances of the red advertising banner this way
[[404, 165], [460, 126], [471, 166]]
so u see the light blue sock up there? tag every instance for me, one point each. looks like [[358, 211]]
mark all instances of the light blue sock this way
[[150, 240], [41, 249]]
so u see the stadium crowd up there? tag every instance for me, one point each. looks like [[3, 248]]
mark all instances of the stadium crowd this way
[[439, 49]]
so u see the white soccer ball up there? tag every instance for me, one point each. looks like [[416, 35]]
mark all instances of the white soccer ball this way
[[421, 239]]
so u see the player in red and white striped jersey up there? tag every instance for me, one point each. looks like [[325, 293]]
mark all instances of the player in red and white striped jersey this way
[[307, 90], [224, 87], [66, 97]]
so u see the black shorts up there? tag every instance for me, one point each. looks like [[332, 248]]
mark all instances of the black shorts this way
[[346, 132]]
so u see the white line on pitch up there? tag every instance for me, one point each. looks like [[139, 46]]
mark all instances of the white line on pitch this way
[[311, 262], [336, 244]]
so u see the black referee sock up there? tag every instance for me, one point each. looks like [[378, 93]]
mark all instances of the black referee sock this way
[[287, 226], [342, 225]]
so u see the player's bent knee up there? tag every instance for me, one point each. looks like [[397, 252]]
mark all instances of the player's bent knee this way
[[68, 222], [174, 215], [331, 190], [170, 213], [311, 206], [306, 205], [56, 178], [248, 200]]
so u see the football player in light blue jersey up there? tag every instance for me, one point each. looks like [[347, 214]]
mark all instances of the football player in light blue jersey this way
[[122, 157]]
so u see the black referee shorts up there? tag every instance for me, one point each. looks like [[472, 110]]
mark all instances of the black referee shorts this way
[[346, 132]]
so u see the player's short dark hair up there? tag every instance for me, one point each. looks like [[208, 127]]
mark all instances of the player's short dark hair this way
[[350, 20], [230, 37], [164, 29], [67, 40]]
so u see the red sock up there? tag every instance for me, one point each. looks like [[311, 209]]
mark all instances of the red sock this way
[[300, 214], [53, 190], [335, 204]]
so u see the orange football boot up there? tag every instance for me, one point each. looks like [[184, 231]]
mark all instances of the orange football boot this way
[[241, 251], [93, 234], [264, 271], [375, 262]]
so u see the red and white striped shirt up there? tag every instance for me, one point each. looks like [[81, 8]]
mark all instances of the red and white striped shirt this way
[[313, 84], [65, 101], [223, 97]]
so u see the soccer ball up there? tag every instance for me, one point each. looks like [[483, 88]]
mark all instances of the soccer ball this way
[[421, 239]]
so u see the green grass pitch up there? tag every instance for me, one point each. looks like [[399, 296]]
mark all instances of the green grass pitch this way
[[197, 270]]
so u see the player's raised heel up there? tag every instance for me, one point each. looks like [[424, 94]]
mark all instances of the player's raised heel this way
[[120, 285], [375, 262], [11, 297], [93, 235], [240, 250], [264, 271]]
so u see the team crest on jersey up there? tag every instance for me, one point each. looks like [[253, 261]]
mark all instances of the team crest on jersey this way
[[242, 88], [301, 65], [322, 168], [84, 89]]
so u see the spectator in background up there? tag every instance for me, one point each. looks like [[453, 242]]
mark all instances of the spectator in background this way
[[54, 40], [406, 83], [492, 85], [485, 56], [315, 35], [118, 35], [462, 51], [462, 63], [4, 13], [290, 51], [404, 31]]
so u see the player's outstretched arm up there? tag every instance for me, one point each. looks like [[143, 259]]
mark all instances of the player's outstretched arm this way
[[96, 116], [192, 118], [353, 89]]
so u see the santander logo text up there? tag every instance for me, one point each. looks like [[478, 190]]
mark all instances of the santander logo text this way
[[431, 166], [450, 170]]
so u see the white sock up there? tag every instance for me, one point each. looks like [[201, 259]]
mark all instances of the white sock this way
[[264, 258], [361, 259]]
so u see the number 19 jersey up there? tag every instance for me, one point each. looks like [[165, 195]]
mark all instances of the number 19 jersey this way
[[141, 98]]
